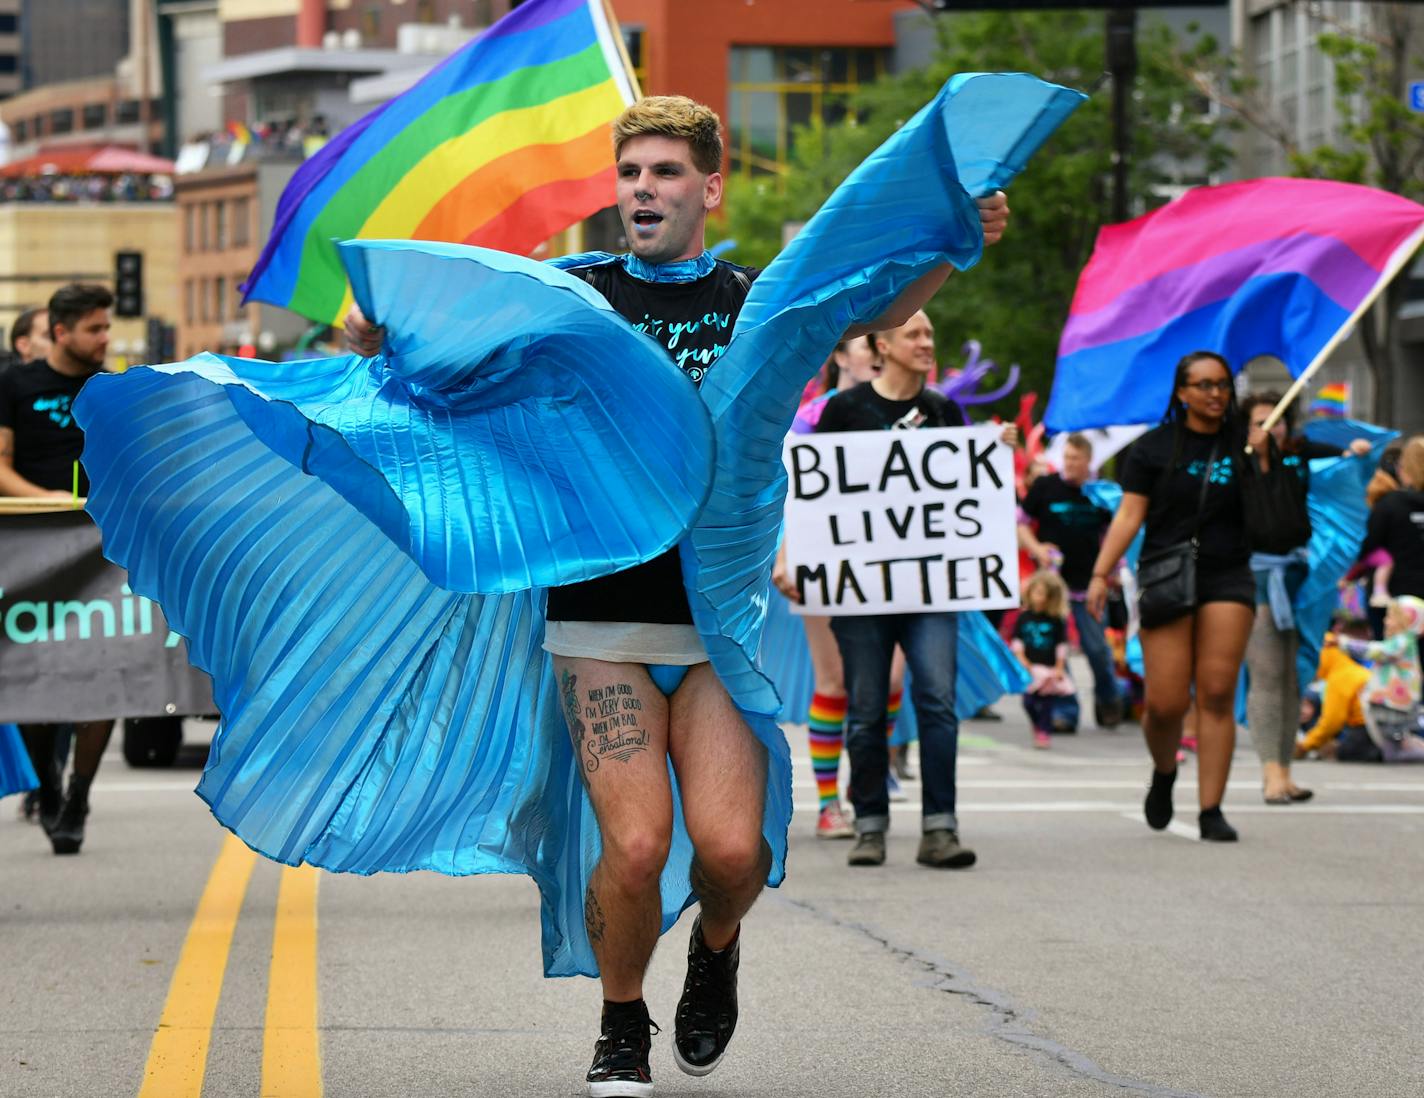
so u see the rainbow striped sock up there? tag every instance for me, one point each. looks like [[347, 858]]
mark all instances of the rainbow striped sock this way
[[892, 714], [826, 729]]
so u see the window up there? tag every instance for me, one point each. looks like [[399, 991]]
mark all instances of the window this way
[[96, 116], [775, 90], [126, 113], [425, 11], [203, 232], [370, 26], [241, 222], [9, 63], [9, 23], [189, 234], [239, 310], [204, 314], [62, 120], [220, 299], [189, 292], [635, 41], [220, 225], [22, 130]]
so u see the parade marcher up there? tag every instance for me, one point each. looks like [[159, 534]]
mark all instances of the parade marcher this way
[[1273, 699], [631, 635], [29, 338], [1198, 597], [900, 400], [851, 363], [1395, 527], [1071, 525], [40, 447], [1041, 643]]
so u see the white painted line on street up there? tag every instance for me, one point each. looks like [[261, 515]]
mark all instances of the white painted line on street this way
[[1135, 811], [1108, 783]]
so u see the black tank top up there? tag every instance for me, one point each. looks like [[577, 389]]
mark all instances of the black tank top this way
[[694, 321]]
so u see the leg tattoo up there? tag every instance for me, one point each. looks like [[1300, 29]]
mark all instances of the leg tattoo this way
[[593, 917], [569, 685]]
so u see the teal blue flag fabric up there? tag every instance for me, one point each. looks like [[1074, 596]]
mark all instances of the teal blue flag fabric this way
[[357, 549]]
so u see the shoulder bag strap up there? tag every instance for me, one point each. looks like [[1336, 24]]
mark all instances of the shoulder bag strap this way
[[1206, 483]]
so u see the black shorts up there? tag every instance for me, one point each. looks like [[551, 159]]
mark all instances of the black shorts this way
[[1234, 583]]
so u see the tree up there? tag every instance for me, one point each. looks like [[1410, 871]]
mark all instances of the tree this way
[[1379, 140], [1016, 301]]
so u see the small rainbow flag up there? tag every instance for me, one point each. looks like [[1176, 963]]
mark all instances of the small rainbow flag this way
[[240, 133], [1332, 401], [502, 144]]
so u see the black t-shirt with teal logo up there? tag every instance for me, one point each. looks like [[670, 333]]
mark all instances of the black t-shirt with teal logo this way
[[1173, 510], [693, 320], [1067, 518], [1041, 634], [36, 403]]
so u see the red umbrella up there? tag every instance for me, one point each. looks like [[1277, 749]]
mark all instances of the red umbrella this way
[[87, 160]]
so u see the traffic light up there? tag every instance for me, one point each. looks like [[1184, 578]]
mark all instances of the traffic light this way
[[161, 341], [128, 284]]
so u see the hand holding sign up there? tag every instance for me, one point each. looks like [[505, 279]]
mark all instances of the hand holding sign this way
[[900, 522]]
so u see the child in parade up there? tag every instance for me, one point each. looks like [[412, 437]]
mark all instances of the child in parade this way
[[1041, 644], [1391, 693]]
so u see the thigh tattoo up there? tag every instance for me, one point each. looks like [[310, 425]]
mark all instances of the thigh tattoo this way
[[615, 729]]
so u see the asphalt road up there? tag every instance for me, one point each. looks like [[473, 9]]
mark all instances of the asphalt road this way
[[1083, 955]]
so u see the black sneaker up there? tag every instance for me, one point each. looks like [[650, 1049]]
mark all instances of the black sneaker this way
[[707, 1011], [620, 1058], [67, 834]]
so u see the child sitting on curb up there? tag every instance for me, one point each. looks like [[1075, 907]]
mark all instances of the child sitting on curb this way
[[1390, 689]]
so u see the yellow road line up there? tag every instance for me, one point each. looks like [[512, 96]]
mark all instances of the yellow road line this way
[[178, 1056], [291, 1055]]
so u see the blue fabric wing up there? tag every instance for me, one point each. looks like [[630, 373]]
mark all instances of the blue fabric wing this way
[[1338, 516], [904, 212], [486, 451], [17, 773]]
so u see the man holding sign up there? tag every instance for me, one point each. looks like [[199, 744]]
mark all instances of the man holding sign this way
[[890, 534]]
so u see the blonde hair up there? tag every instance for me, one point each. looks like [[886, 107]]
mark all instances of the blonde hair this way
[[1411, 463], [1056, 604], [673, 116]]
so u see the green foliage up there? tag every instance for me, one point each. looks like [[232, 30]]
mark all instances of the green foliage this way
[[1384, 139], [1016, 300]]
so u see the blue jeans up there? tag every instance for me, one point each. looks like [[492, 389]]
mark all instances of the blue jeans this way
[[1095, 647], [867, 645]]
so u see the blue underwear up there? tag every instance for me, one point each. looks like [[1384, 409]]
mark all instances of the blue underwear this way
[[667, 677]]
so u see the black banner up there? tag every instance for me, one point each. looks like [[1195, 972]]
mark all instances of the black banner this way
[[75, 643]]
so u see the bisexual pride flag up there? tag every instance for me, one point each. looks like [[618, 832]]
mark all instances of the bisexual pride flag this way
[[1263, 267], [502, 144]]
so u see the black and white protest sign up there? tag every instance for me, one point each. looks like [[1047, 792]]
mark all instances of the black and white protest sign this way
[[901, 522]]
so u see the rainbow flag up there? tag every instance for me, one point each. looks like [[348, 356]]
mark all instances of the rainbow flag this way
[[1332, 401], [240, 133], [503, 144], [1263, 267]]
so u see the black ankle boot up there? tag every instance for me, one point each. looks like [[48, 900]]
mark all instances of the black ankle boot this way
[[1214, 828], [1158, 806], [67, 835]]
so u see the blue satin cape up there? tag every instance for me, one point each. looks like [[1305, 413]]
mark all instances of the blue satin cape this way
[[357, 549]]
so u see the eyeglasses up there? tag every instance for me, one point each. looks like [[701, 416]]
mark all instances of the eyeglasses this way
[[1206, 387]]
